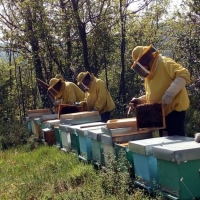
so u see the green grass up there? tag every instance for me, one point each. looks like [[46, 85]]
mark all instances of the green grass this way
[[48, 173]]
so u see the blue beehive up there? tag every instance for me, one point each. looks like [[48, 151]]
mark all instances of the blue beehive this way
[[145, 165], [97, 149], [85, 141], [28, 121], [179, 170]]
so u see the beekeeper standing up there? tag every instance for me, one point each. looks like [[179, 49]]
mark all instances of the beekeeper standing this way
[[97, 96], [165, 82]]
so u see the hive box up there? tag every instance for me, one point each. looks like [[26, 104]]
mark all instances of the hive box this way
[[52, 123], [49, 136], [97, 149], [108, 143], [28, 121], [36, 128], [71, 129], [84, 141], [123, 150], [53, 126], [145, 165], [121, 123], [38, 112], [65, 135], [179, 170]]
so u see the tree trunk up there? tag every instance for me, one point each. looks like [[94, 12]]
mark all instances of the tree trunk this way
[[122, 91], [82, 34]]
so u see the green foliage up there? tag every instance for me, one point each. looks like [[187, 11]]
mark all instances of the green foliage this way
[[12, 133], [48, 173]]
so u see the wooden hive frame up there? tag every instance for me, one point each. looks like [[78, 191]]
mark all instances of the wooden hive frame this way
[[67, 109], [150, 117]]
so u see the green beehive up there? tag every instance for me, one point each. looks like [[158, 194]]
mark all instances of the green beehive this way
[[123, 150], [58, 137], [179, 170]]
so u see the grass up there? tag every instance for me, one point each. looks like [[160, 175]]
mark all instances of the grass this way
[[48, 173]]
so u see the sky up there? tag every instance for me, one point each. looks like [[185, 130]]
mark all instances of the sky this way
[[174, 3]]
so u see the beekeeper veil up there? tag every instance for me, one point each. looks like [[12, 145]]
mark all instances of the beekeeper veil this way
[[139, 53]]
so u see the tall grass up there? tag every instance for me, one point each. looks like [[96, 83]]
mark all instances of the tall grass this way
[[48, 173]]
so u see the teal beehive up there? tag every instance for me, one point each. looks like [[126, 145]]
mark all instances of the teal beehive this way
[[179, 170], [96, 145], [85, 142], [145, 164]]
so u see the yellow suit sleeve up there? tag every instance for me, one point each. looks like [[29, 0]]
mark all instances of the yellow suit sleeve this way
[[176, 70], [101, 96]]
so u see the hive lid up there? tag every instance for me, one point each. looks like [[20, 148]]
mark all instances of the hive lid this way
[[63, 127], [72, 128], [122, 123], [36, 120], [52, 123], [84, 120], [178, 152], [95, 133], [45, 110], [48, 117], [46, 129], [84, 131], [123, 131], [145, 146], [79, 115]]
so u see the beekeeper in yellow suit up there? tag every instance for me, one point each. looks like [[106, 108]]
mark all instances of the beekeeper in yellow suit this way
[[97, 96], [65, 92], [165, 82]]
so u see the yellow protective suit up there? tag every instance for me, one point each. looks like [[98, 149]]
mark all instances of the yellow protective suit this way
[[166, 71], [98, 97], [69, 91]]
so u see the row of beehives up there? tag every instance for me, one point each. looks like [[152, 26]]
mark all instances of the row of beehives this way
[[170, 165]]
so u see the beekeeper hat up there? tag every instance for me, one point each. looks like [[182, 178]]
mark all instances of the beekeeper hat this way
[[81, 77], [59, 76], [53, 81], [138, 52]]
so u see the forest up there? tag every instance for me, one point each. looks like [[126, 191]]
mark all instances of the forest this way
[[42, 38]]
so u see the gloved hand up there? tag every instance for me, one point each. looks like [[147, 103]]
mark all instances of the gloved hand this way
[[82, 103], [197, 137], [176, 86], [167, 99], [135, 101]]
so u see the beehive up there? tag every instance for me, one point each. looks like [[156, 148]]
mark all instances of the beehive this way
[[178, 170], [71, 141], [85, 141], [97, 149], [49, 136], [145, 164], [65, 137]]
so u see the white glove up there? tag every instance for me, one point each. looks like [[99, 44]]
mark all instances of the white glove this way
[[176, 86]]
